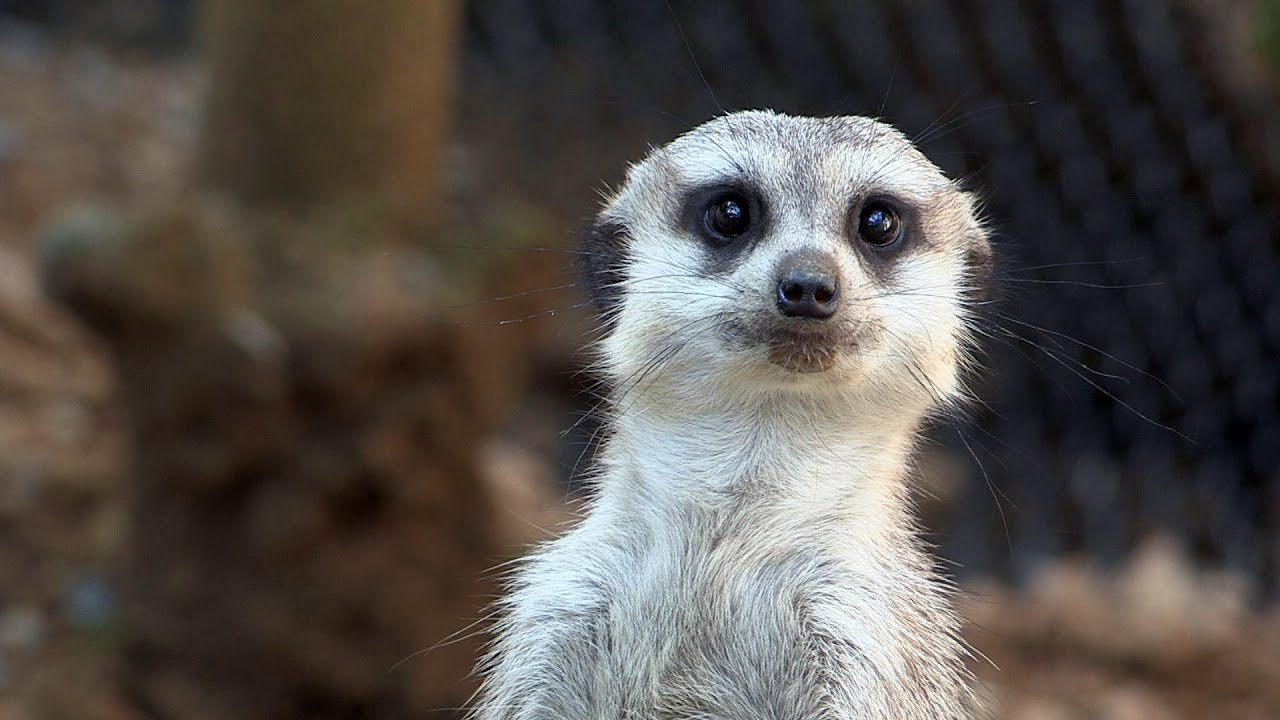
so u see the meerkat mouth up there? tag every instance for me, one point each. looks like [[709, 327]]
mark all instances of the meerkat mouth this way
[[803, 352]]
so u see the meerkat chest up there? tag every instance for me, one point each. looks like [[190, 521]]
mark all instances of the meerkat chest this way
[[729, 635], [736, 630], [702, 631]]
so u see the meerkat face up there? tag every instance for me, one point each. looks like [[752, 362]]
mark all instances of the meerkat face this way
[[767, 252]]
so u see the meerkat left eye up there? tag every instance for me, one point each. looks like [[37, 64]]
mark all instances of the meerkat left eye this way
[[728, 216], [879, 225]]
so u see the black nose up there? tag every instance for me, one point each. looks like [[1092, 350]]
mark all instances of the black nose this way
[[804, 293]]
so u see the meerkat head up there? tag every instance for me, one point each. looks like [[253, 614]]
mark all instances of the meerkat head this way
[[767, 254]]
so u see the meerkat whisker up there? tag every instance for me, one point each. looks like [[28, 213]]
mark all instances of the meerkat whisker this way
[[1094, 348]]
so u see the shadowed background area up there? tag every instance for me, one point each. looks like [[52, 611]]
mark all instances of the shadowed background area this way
[[290, 347]]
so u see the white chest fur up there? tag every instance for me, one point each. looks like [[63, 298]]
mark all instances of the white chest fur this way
[[698, 595]]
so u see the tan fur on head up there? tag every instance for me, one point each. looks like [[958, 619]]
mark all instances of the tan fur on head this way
[[785, 299]]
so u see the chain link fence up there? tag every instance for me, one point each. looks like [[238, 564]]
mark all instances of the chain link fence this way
[[1130, 170]]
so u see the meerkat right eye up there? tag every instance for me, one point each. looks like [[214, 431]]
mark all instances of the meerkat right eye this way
[[728, 216], [878, 224]]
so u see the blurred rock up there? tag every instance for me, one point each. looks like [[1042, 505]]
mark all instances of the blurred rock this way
[[1173, 607]]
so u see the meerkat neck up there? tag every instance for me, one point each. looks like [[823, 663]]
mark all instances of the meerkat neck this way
[[804, 461]]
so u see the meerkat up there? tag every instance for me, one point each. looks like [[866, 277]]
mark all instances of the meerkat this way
[[785, 300]]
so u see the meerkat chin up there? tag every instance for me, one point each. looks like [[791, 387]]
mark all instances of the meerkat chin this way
[[785, 301]]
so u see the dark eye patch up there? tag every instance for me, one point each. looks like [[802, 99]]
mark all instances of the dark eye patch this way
[[728, 219], [881, 228]]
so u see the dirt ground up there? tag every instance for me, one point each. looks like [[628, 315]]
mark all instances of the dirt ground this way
[[88, 138], [1157, 639]]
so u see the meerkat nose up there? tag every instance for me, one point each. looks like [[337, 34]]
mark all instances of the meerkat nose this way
[[808, 293]]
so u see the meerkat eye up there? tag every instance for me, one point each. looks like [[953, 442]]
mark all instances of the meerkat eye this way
[[728, 216], [879, 224]]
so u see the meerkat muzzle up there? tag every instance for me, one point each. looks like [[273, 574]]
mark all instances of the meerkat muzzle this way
[[808, 286]]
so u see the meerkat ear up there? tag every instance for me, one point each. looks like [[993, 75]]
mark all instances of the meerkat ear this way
[[979, 270], [602, 254], [979, 259]]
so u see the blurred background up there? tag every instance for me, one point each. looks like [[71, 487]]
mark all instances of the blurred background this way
[[289, 332]]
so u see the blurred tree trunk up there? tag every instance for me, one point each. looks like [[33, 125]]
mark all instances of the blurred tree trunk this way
[[315, 102], [308, 504]]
